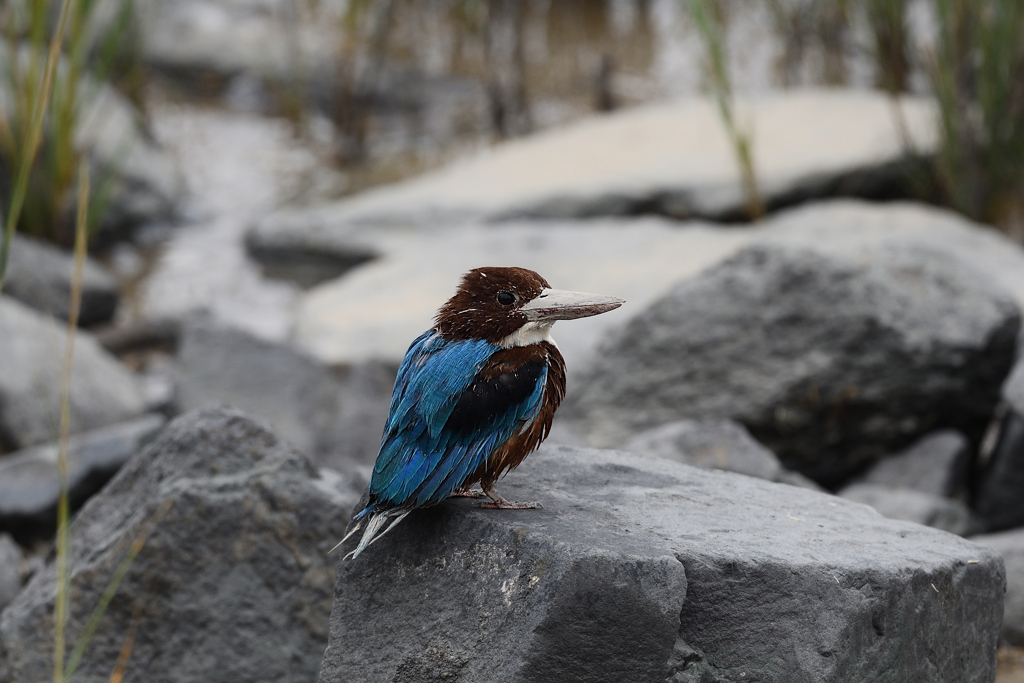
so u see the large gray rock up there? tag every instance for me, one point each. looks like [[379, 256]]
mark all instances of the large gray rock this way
[[641, 569], [10, 570], [103, 391], [911, 505], [234, 581], [938, 464], [377, 309], [39, 275], [1010, 545], [336, 415], [30, 483], [714, 444], [673, 158], [831, 362]]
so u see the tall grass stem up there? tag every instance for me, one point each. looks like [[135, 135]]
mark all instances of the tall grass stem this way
[[63, 531]]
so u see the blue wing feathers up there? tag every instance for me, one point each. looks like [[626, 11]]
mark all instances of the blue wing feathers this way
[[420, 462]]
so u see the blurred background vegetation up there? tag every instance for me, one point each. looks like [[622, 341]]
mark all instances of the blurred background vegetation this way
[[410, 85]]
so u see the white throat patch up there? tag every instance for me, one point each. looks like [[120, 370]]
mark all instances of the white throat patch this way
[[530, 333]]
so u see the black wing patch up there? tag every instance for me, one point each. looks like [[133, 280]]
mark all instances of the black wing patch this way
[[490, 396]]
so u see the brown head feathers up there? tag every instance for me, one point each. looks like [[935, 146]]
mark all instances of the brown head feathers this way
[[486, 305]]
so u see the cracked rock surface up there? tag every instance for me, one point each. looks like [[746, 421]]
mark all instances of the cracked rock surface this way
[[643, 569], [233, 582]]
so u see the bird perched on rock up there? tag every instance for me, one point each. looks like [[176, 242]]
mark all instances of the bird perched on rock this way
[[474, 396]]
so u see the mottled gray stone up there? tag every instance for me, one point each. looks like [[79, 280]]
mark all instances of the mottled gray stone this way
[[642, 569], [938, 463], [103, 391], [39, 274], [233, 582], [10, 570], [336, 415], [1010, 545], [30, 483], [714, 444], [831, 362], [911, 505]]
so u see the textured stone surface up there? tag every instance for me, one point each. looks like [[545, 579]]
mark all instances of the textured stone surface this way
[[10, 570], [103, 391], [911, 505], [234, 581], [1010, 545], [831, 362], [335, 415], [30, 484], [642, 569], [39, 275], [672, 158], [713, 444], [938, 463]]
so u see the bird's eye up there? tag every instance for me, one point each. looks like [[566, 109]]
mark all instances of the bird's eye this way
[[506, 298]]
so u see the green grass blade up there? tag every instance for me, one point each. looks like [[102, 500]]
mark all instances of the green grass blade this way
[[60, 610], [31, 143]]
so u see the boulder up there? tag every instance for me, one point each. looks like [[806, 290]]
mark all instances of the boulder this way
[[1010, 545], [39, 275], [233, 581], [938, 464], [103, 392], [997, 493], [832, 362], [714, 444], [30, 483], [912, 505], [377, 309], [10, 570], [642, 569], [671, 158], [335, 415]]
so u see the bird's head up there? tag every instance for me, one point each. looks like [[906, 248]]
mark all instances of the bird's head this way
[[513, 307]]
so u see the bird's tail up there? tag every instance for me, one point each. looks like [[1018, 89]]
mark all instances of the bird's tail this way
[[373, 530]]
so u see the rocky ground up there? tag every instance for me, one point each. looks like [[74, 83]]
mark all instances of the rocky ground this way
[[817, 420]]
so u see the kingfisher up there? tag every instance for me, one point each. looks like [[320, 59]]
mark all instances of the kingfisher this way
[[475, 395]]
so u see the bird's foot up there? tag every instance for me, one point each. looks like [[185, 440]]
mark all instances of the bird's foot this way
[[499, 503], [467, 493]]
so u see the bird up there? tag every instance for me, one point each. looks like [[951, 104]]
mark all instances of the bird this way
[[475, 394]]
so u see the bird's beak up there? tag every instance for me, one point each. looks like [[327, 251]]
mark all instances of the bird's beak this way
[[556, 304]]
